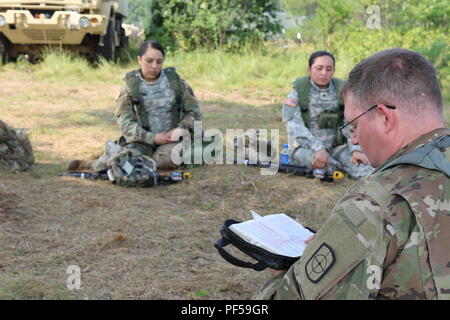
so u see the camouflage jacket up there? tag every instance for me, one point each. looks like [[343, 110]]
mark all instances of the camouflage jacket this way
[[156, 110], [387, 238], [16, 152], [311, 136]]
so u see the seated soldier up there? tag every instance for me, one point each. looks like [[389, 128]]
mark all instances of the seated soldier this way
[[313, 113], [154, 108], [16, 152]]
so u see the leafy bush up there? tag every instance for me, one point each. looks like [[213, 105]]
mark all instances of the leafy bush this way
[[227, 24], [340, 27], [139, 12]]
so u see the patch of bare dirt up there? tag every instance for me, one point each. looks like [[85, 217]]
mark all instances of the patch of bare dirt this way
[[10, 207]]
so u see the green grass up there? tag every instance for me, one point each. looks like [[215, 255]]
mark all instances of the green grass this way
[[265, 73], [67, 68], [71, 69], [27, 288]]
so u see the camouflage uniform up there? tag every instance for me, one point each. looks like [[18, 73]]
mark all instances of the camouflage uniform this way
[[16, 153], [305, 141], [155, 116], [387, 238]]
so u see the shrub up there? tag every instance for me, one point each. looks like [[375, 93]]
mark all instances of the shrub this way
[[226, 24]]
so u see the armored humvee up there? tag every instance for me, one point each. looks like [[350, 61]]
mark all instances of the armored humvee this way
[[92, 27]]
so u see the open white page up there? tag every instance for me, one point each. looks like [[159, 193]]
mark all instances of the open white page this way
[[276, 233]]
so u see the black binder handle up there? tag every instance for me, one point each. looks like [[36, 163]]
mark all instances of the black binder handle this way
[[219, 244]]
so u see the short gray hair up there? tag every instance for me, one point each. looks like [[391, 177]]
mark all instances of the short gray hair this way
[[398, 77]]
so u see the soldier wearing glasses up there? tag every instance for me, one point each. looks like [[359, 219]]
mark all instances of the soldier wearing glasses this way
[[389, 235]]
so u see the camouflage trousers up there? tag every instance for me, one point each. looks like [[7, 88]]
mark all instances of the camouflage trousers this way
[[16, 152], [161, 154], [341, 159]]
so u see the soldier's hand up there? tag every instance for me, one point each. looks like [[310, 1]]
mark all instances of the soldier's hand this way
[[162, 138], [359, 157], [276, 272], [320, 159], [307, 241], [176, 133]]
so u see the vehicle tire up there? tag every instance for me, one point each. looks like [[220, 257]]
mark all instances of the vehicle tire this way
[[108, 50], [123, 39], [122, 36], [4, 50]]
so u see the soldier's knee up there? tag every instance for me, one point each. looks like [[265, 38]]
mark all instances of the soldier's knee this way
[[163, 156]]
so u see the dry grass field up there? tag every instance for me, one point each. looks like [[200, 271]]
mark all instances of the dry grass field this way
[[131, 243]]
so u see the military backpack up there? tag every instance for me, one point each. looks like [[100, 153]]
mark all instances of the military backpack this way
[[16, 152]]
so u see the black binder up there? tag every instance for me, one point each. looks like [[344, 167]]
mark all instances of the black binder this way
[[263, 257]]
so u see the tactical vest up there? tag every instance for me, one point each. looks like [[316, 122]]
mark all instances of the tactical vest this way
[[132, 79], [330, 120], [424, 207]]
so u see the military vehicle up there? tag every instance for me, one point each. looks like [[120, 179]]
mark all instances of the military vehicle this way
[[91, 27]]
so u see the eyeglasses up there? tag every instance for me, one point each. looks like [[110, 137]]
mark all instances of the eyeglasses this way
[[348, 129]]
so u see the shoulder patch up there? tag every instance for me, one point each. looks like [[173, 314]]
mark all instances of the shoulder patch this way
[[320, 263]]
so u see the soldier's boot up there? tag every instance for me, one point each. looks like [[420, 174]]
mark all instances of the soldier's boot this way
[[75, 165]]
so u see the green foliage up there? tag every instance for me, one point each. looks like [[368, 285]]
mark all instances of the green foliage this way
[[227, 24], [406, 14], [330, 16], [265, 73], [299, 8], [438, 54], [139, 12], [340, 27], [201, 293], [395, 13], [327, 18]]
